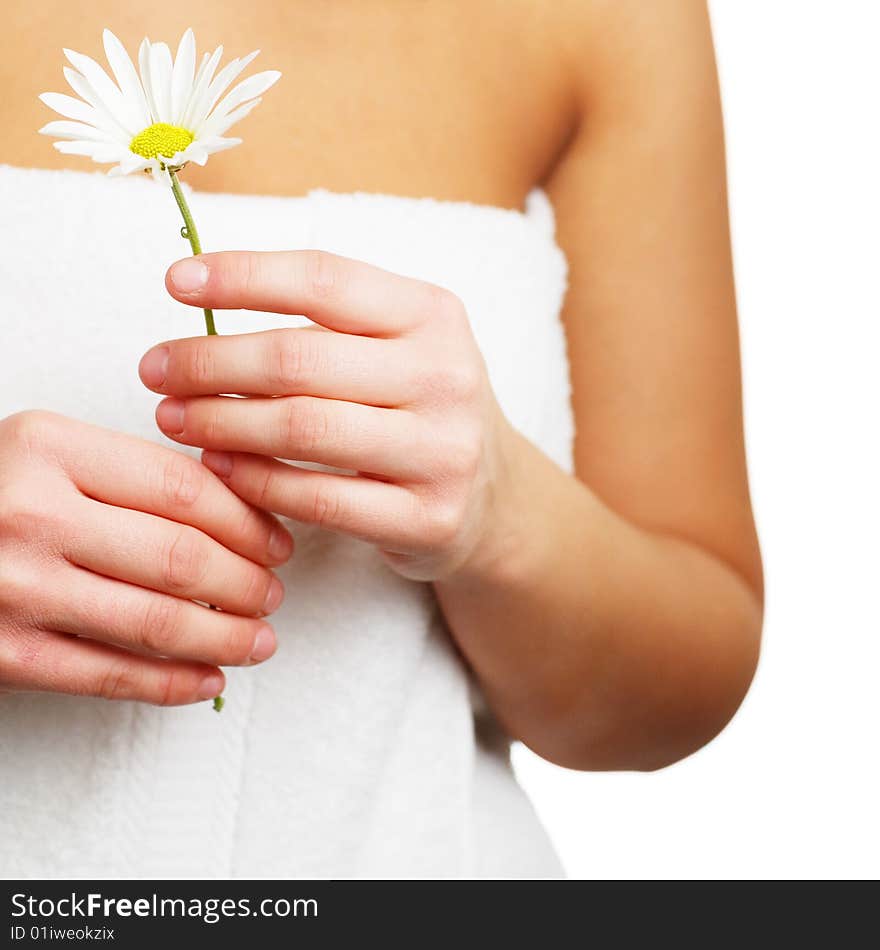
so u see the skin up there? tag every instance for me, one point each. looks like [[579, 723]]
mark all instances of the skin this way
[[612, 617], [105, 541]]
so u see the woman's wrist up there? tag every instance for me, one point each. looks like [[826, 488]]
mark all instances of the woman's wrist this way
[[505, 539]]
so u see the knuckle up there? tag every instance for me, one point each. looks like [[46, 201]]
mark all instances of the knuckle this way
[[181, 481], [467, 379], [9, 505], [184, 562], [255, 590], [29, 421], [25, 518], [24, 648], [118, 681], [16, 508], [213, 424], [12, 499], [30, 429], [292, 359], [306, 424], [158, 629], [253, 531], [443, 304], [325, 508], [456, 381], [321, 274], [266, 489], [17, 585], [201, 364], [444, 522], [463, 452], [249, 274], [168, 691], [236, 643]]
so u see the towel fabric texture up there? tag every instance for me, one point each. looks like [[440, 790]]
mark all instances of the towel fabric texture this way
[[362, 749]]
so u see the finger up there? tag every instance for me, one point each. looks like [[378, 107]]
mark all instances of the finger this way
[[171, 558], [374, 511], [342, 434], [337, 292], [59, 663], [121, 470], [151, 623], [287, 362]]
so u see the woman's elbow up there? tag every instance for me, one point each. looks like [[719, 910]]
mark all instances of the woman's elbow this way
[[634, 732]]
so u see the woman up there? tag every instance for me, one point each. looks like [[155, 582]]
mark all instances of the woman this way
[[467, 569]]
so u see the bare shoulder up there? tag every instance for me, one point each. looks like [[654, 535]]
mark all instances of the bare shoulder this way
[[608, 29]]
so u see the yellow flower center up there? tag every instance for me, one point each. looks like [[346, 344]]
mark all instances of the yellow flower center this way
[[161, 139]]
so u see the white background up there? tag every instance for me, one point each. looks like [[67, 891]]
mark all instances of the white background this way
[[791, 789]]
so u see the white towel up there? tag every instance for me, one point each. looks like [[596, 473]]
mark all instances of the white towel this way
[[354, 751]]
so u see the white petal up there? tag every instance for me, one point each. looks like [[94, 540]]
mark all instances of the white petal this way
[[218, 123], [160, 174], [221, 83], [146, 79], [109, 153], [130, 163], [160, 81], [106, 90], [127, 77], [98, 151], [196, 88], [251, 87], [182, 76], [194, 152], [198, 101], [197, 82], [177, 159], [76, 130], [77, 148], [69, 107], [134, 163], [147, 165], [103, 118], [217, 144]]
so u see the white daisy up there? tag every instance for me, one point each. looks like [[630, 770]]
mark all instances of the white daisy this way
[[170, 114]]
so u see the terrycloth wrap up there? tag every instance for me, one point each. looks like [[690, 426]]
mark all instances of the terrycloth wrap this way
[[361, 749]]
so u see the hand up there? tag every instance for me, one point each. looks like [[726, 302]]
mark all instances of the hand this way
[[393, 388], [105, 542]]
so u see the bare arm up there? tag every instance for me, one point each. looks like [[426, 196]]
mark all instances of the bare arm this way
[[614, 619]]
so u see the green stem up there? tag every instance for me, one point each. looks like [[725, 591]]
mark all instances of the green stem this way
[[191, 234]]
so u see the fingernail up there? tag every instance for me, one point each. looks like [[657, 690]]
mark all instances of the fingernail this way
[[211, 686], [188, 276], [220, 464], [169, 415], [264, 645], [280, 544], [154, 367], [274, 597]]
